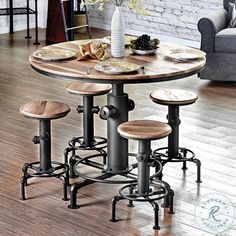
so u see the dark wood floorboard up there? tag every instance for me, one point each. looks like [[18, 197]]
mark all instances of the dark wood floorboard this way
[[208, 127]]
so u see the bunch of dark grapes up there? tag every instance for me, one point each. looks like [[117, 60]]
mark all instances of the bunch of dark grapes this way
[[143, 42]]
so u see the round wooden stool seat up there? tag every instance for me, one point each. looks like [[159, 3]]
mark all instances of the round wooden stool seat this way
[[173, 97], [144, 130], [88, 89], [45, 110]]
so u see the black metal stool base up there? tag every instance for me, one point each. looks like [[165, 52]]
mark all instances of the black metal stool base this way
[[184, 155], [153, 195], [57, 170], [146, 188]]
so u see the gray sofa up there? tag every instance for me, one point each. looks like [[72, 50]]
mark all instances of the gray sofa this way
[[219, 43]]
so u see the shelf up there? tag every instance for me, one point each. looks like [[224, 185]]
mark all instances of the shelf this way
[[16, 11]]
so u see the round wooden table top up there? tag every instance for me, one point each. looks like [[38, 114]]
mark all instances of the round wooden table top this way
[[157, 67]]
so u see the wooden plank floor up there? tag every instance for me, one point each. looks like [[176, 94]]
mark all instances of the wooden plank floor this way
[[208, 127]]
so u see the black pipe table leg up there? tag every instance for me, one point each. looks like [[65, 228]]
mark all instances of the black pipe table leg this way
[[117, 146], [76, 186]]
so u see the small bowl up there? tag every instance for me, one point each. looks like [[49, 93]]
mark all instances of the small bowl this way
[[144, 52]]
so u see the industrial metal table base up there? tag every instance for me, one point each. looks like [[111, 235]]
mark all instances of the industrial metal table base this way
[[174, 153], [116, 112]]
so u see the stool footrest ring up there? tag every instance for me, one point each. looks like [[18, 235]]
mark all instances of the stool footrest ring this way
[[185, 154], [152, 195], [56, 170], [77, 143]]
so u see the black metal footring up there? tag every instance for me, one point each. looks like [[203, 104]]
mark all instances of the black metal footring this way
[[77, 143], [75, 158], [150, 197], [88, 162], [58, 170], [184, 155], [103, 178]]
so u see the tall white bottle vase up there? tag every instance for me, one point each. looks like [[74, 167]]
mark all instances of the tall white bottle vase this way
[[117, 33]]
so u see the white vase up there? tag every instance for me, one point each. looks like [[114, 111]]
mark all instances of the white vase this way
[[117, 33]]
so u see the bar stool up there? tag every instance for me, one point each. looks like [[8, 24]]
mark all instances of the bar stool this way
[[147, 188], [44, 111], [174, 98], [87, 141]]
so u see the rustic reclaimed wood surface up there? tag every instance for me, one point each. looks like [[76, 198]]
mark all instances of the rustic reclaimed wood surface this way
[[157, 67], [144, 129], [88, 88], [44, 109], [173, 97]]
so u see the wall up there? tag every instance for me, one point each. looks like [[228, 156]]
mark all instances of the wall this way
[[42, 11], [20, 20], [167, 18]]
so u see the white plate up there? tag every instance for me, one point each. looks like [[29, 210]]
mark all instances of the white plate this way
[[144, 52], [128, 38], [116, 67], [53, 54], [185, 54]]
